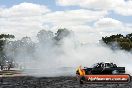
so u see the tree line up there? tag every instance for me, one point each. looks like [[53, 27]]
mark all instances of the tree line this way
[[119, 41]]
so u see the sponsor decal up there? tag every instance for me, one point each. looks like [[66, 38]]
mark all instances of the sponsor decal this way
[[108, 78]]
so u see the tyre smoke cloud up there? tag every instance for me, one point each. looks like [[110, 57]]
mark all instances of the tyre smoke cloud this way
[[59, 54]]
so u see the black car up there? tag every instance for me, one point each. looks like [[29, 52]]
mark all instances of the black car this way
[[104, 68]]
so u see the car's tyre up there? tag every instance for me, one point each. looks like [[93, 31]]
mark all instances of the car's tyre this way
[[115, 72]]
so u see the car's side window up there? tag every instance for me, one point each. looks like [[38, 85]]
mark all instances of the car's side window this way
[[102, 65], [108, 65], [114, 65]]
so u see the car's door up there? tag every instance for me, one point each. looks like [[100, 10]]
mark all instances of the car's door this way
[[107, 68], [97, 69]]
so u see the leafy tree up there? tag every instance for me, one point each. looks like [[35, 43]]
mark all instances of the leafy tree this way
[[61, 33], [124, 42], [44, 36], [125, 46], [4, 38], [129, 36]]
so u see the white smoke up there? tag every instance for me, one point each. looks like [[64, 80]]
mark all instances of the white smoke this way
[[49, 59]]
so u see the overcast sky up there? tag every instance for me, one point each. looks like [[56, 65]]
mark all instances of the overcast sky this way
[[89, 17]]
